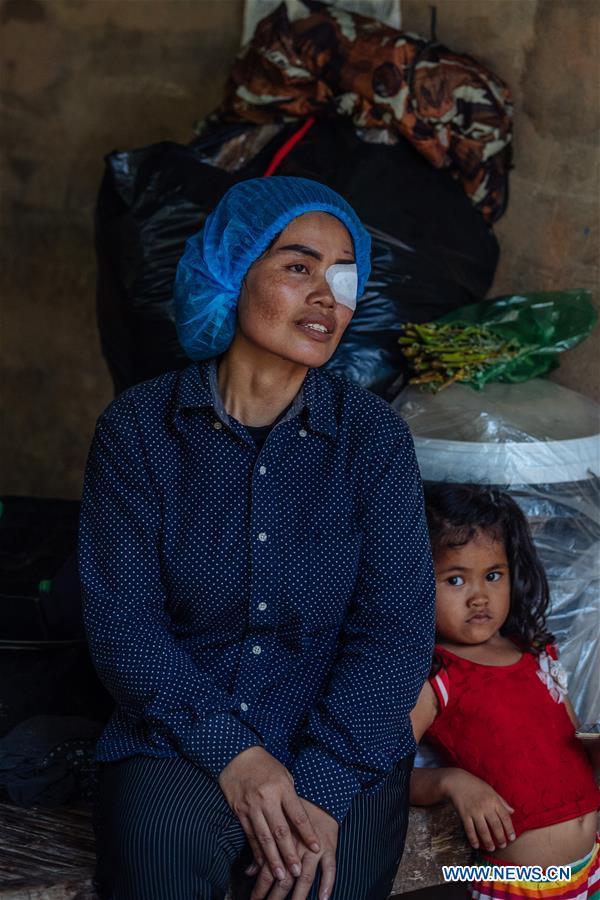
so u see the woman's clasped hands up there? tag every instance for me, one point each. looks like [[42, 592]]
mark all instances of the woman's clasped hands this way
[[289, 837]]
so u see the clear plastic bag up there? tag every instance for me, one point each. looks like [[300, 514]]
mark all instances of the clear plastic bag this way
[[540, 442]]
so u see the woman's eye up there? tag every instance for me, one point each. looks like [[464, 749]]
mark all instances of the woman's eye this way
[[298, 267], [494, 576], [455, 580]]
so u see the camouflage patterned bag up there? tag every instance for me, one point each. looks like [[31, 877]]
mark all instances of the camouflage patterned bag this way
[[332, 62]]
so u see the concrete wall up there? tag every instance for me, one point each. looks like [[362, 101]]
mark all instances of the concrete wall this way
[[548, 51], [81, 78], [84, 77]]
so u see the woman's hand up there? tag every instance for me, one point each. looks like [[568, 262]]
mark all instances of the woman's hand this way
[[484, 813], [260, 791], [327, 829]]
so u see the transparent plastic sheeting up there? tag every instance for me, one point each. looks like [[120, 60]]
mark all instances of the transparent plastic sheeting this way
[[541, 442]]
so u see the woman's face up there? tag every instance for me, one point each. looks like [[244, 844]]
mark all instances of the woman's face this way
[[285, 292]]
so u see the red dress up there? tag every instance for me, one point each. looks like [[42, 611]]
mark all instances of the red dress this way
[[509, 726]]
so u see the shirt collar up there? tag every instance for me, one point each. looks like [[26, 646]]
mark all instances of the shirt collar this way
[[320, 403], [197, 387]]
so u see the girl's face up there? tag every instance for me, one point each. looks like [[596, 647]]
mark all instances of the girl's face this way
[[472, 590], [285, 292]]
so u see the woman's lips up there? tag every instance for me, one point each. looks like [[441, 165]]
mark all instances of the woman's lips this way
[[479, 617], [322, 336]]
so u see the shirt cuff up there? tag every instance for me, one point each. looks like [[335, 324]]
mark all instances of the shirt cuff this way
[[322, 780], [217, 740]]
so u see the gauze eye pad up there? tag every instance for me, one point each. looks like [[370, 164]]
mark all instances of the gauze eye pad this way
[[343, 281]]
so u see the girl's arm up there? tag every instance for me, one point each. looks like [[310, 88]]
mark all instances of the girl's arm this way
[[592, 748], [430, 786], [424, 712], [484, 813], [427, 786], [571, 712]]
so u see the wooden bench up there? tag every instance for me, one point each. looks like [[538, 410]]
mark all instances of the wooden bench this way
[[48, 854]]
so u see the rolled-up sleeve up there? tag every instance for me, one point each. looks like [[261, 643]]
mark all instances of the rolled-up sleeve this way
[[357, 729], [153, 679]]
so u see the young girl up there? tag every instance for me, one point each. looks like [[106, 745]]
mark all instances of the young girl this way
[[495, 704]]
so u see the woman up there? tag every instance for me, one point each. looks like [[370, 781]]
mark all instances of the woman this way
[[258, 586]]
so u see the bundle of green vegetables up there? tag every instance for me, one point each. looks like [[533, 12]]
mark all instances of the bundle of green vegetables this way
[[442, 354], [508, 339]]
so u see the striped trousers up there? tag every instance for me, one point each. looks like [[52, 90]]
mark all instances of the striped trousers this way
[[164, 831]]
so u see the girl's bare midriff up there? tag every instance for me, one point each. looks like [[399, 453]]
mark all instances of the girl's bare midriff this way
[[554, 845]]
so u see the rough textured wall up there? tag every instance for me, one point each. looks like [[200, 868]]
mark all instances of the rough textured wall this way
[[80, 78], [84, 77], [548, 51]]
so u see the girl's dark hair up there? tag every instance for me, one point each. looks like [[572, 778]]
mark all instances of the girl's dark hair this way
[[457, 512]]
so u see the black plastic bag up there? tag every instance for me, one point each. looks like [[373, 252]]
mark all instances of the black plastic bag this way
[[49, 760], [432, 252], [45, 665]]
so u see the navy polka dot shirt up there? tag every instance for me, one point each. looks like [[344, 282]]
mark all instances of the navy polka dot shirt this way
[[235, 598]]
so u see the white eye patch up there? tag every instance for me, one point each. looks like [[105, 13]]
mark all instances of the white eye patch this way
[[343, 281]]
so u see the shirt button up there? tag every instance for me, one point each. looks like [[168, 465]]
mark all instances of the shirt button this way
[[217, 425], [302, 432], [263, 470], [256, 649], [262, 536], [262, 605], [244, 707]]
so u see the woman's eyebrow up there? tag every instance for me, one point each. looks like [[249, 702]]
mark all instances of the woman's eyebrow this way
[[309, 251]]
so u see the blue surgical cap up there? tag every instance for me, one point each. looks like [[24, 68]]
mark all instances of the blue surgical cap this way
[[248, 217]]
